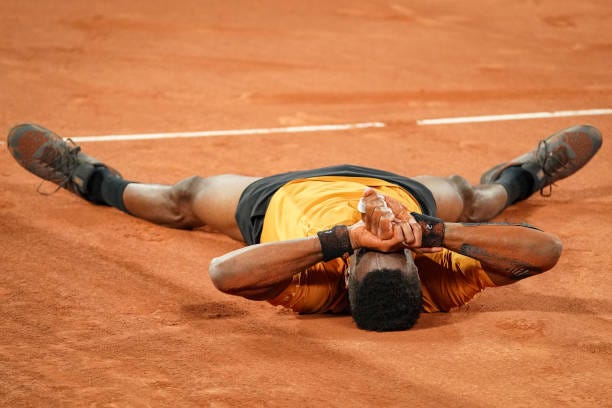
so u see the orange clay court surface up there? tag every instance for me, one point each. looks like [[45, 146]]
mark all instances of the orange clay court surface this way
[[101, 309]]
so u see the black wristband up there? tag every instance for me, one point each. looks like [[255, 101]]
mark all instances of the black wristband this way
[[433, 230], [335, 243]]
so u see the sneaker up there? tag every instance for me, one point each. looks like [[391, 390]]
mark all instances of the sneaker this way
[[557, 157], [47, 155]]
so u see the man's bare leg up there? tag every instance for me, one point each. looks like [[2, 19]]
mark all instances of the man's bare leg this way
[[555, 158], [458, 200], [190, 203]]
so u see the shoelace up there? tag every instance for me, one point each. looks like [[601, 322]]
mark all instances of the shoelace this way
[[61, 164], [543, 160]]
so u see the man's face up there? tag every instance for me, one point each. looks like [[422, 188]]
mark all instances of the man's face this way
[[384, 290]]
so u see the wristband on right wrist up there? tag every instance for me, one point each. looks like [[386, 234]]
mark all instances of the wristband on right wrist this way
[[433, 230], [335, 243]]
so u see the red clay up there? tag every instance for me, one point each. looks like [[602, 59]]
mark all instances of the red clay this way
[[101, 309]]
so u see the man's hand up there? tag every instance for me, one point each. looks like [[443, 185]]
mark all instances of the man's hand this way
[[362, 237], [377, 216], [389, 220]]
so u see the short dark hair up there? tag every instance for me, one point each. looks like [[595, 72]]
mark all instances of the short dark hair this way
[[385, 300]]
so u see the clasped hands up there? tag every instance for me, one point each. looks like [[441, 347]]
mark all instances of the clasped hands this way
[[386, 225]]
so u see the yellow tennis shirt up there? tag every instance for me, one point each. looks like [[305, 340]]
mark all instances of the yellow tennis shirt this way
[[303, 207]]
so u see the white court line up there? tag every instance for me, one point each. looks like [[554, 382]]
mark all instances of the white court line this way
[[513, 116], [322, 128], [237, 132]]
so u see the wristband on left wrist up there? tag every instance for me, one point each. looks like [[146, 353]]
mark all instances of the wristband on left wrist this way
[[433, 230]]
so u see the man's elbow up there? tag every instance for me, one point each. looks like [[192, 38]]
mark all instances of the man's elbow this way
[[551, 250], [218, 272], [224, 277], [545, 254]]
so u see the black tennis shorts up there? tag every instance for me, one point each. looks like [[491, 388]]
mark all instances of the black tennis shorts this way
[[255, 198]]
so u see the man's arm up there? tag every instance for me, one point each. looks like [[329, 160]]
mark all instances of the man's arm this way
[[262, 271], [507, 252]]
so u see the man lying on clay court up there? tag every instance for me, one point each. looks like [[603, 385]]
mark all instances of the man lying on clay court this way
[[345, 238]]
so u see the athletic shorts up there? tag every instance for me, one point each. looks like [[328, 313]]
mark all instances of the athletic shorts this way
[[255, 198]]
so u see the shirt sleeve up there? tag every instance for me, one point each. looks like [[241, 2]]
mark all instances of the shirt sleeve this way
[[320, 288], [449, 279]]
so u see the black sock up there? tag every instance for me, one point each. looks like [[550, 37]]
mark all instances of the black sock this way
[[104, 187], [518, 183]]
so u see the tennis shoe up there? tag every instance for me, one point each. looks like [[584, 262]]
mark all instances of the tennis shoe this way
[[555, 158], [47, 155]]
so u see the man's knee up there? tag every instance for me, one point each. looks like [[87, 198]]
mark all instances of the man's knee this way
[[181, 197], [465, 190], [480, 203]]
